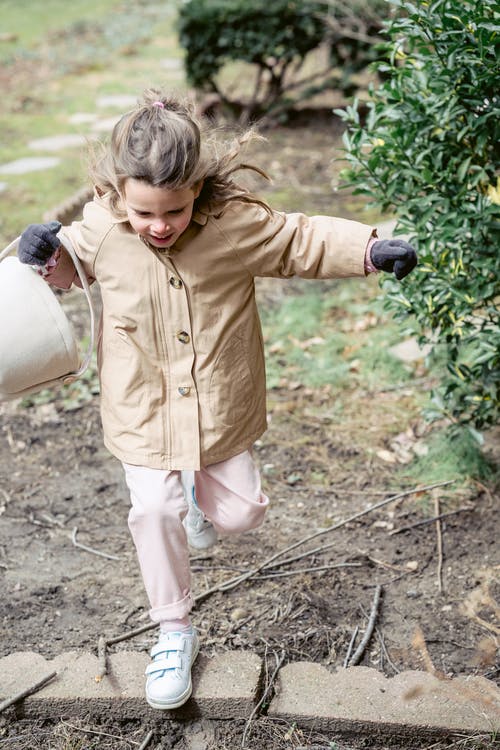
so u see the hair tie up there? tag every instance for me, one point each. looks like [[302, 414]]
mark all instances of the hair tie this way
[[159, 104]]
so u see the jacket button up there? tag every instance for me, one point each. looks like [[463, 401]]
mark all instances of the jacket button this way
[[183, 337], [175, 282], [184, 390]]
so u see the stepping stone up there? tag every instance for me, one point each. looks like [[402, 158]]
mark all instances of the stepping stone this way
[[224, 686], [124, 101], [29, 164], [102, 126], [364, 701], [82, 118], [171, 63], [58, 142]]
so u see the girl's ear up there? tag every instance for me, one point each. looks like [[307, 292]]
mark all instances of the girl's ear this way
[[197, 188]]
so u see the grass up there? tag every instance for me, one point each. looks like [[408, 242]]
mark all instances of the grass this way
[[329, 332], [334, 338], [31, 21], [65, 56], [451, 454]]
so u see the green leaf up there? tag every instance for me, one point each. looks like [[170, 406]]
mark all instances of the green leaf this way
[[438, 114]]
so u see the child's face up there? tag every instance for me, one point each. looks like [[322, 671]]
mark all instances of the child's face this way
[[158, 214]]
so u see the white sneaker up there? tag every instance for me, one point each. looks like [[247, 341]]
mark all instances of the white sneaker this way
[[168, 683], [200, 532]]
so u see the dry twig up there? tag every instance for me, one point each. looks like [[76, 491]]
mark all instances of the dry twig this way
[[485, 490], [439, 533], [420, 646], [351, 646], [279, 661], [102, 656], [431, 520], [386, 565], [340, 524], [384, 650], [316, 569], [345, 491], [98, 733], [147, 739], [90, 549], [358, 654], [28, 691], [6, 495]]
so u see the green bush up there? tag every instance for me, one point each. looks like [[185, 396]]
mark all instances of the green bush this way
[[354, 34], [269, 35], [276, 38], [428, 152]]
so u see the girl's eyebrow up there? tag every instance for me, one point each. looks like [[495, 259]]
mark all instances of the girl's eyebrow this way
[[144, 210]]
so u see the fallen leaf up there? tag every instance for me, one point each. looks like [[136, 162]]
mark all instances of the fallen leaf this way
[[404, 457], [307, 343], [284, 406], [420, 448], [367, 321], [387, 456], [383, 525], [276, 348]]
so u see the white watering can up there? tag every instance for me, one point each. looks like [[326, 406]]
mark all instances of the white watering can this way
[[38, 348]]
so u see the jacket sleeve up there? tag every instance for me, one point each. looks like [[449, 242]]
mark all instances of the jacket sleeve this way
[[285, 245], [86, 236]]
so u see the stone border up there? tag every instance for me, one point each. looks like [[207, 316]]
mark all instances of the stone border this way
[[228, 686], [224, 687], [361, 699]]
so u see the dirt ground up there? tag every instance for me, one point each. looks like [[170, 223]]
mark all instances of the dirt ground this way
[[58, 486], [59, 489]]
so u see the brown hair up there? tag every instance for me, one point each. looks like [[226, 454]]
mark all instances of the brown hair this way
[[160, 142]]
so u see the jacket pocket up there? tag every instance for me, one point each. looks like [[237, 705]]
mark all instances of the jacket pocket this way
[[124, 387], [232, 387]]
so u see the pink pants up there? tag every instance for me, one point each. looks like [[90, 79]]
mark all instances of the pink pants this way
[[228, 493]]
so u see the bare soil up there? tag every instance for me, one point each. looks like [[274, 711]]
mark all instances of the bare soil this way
[[59, 485]]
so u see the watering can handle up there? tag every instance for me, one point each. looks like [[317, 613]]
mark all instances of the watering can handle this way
[[65, 242]]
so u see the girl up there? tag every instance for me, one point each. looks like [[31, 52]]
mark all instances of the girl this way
[[175, 244]]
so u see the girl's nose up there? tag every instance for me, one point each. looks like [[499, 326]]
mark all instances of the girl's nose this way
[[160, 226]]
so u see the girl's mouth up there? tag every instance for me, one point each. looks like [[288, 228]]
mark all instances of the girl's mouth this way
[[161, 241]]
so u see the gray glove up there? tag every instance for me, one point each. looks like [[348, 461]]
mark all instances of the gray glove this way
[[393, 256], [38, 243]]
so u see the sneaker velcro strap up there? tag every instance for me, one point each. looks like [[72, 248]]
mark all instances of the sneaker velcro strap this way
[[175, 642], [172, 660]]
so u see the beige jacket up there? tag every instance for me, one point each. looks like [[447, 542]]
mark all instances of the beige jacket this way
[[180, 349]]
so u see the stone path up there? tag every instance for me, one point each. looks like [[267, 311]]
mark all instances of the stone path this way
[[228, 686], [59, 142], [29, 164]]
